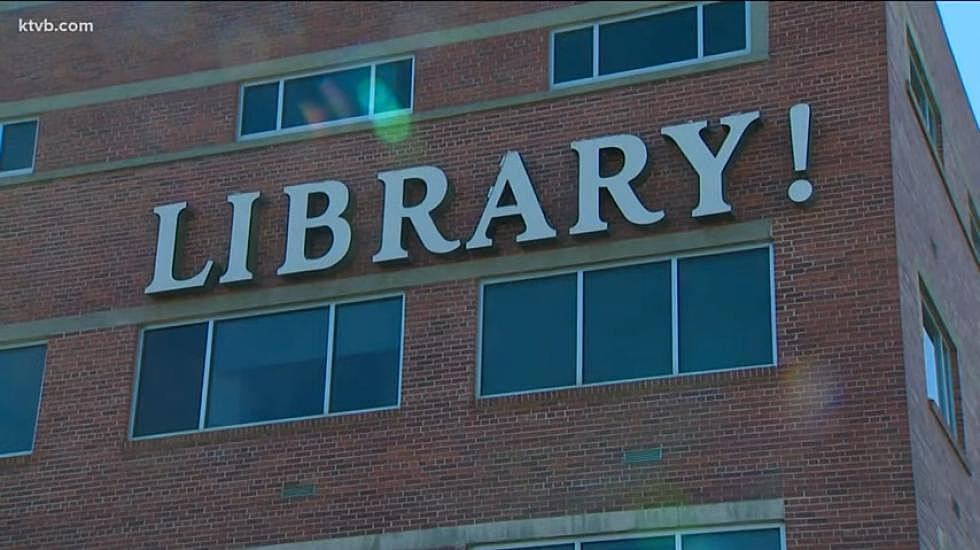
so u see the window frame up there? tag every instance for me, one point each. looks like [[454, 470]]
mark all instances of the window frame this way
[[40, 394], [917, 68], [279, 130], [330, 305], [37, 131], [930, 318], [580, 321], [596, 77], [577, 541]]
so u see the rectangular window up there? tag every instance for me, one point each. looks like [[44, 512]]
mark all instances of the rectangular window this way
[[939, 361], [653, 41], [17, 144], [327, 98], [612, 324], [924, 99], [267, 368], [21, 373], [766, 538]]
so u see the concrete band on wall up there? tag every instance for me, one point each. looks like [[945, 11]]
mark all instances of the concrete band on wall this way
[[759, 51], [605, 523], [204, 306]]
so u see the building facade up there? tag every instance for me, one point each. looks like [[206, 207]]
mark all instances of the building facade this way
[[578, 276]]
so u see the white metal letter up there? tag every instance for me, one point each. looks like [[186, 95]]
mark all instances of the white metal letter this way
[[590, 182], [163, 270], [710, 167], [526, 205], [241, 232], [420, 215], [338, 198]]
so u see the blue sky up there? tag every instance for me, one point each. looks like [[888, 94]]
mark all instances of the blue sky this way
[[962, 22]]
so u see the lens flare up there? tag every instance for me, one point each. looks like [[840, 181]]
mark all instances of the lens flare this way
[[392, 123]]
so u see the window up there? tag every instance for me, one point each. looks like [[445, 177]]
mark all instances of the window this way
[[768, 538], [265, 368], [327, 98], [924, 99], [17, 140], [666, 38], [939, 359], [661, 318], [21, 372]]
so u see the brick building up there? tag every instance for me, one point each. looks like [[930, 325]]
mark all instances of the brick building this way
[[578, 276]]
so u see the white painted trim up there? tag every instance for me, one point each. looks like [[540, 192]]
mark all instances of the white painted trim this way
[[772, 301], [328, 365], [579, 327], [675, 340], [25, 344], [280, 93], [401, 356], [372, 86], [595, 50], [700, 24], [136, 382], [748, 25], [206, 381]]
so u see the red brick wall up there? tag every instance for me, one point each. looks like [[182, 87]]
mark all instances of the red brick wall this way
[[136, 41], [934, 250], [137, 127], [826, 430]]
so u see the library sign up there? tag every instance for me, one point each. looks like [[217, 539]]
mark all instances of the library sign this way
[[512, 176]]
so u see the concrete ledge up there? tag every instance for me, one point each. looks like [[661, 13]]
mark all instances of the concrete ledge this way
[[202, 306], [701, 515]]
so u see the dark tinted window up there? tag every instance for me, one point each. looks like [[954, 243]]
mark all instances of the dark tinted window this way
[[573, 55], [170, 380], [651, 543], [529, 334], [393, 86], [724, 27], [326, 97], [366, 357], [568, 546], [21, 371], [260, 107], [724, 309], [767, 539], [268, 368], [627, 323], [17, 146], [647, 41]]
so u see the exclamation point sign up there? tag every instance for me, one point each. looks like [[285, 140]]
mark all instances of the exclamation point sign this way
[[801, 190]]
